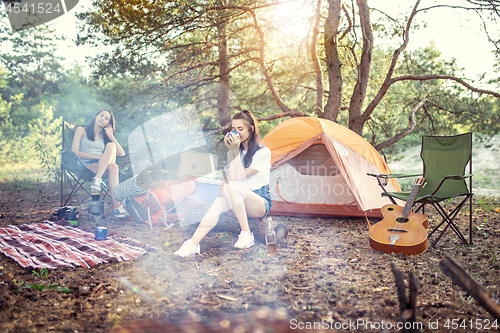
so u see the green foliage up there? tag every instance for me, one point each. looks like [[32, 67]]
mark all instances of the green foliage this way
[[42, 287], [42, 273], [47, 145], [28, 81], [77, 100], [32, 64], [33, 75], [34, 95], [36, 147], [449, 110]]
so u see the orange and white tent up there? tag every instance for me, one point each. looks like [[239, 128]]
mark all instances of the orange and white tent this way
[[319, 168]]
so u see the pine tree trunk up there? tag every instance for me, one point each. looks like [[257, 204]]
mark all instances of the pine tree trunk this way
[[332, 107], [356, 120]]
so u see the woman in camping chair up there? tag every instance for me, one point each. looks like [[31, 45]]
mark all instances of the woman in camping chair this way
[[97, 148], [246, 190]]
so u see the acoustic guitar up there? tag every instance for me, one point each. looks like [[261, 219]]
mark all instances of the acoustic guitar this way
[[401, 230]]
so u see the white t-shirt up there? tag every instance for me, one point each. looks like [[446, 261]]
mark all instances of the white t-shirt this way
[[261, 162]]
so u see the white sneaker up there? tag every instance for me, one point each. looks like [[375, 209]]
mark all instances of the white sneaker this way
[[245, 240], [120, 212], [188, 249], [96, 186]]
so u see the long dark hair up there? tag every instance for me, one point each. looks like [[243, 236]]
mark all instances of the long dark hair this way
[[253, 142], [90, 127]]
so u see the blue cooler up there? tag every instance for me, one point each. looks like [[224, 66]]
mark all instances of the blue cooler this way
[[203, 166], [207, 190]]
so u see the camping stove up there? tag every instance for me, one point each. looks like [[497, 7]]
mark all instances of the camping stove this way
[[96, 205]]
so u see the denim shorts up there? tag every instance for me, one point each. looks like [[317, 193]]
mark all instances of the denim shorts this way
[[85, 163], [266, 195]]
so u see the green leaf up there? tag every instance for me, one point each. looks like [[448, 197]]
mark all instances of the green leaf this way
[[64, 289], [34, 286]]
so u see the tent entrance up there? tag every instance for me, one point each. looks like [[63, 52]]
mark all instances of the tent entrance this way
[[311, 177], [315, 161]]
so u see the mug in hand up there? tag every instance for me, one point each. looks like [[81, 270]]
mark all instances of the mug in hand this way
[[234, 133]]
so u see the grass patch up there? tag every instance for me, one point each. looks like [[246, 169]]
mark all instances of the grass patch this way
[[42, 287], [487, 203], [488, 178], [22, 173]]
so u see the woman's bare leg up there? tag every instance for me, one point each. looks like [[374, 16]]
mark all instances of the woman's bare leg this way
[[113, 181], [107, 157], [210, 219], [244, 203], [236, 204]]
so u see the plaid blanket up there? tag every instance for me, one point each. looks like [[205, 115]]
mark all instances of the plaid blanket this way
[[50, 245]]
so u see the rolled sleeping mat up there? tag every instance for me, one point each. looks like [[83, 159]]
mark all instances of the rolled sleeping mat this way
[[144, 181], [128, 188]]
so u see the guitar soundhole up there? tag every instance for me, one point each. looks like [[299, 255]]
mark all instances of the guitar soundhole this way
[[390, 209], [402, 219]]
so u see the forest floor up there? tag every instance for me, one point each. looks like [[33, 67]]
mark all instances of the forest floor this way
[[325, 275]]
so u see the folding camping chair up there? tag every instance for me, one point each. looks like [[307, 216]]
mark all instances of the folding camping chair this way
[[73, 171], [445, 159]]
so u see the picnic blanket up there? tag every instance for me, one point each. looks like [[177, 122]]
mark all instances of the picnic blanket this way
[[51, 245]]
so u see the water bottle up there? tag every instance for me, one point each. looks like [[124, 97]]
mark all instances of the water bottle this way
[[271, 238]]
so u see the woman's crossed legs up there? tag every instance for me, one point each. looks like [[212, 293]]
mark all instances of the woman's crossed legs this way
[[107, 164]]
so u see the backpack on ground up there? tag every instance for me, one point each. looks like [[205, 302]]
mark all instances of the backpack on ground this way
[[153, 207]]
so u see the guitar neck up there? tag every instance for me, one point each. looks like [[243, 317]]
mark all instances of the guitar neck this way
[[409, 202]]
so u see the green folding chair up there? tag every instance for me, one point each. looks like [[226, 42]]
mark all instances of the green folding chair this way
[[445, 159]]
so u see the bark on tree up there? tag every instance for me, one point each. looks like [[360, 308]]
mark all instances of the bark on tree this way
[[317, 66], [356, 121], [333, 65]]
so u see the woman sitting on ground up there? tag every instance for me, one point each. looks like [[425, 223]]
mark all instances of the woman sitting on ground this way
[[97, 147], [246, 193]]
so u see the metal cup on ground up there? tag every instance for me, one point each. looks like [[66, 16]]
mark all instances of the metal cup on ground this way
[[101, 233]]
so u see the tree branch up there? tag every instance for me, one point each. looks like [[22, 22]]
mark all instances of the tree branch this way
[[349, 21], [408, 130], [446, 77], [292, 114], [263, 66], [460, 277], [211, 78], [387, 82]]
